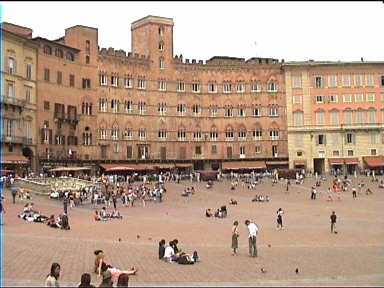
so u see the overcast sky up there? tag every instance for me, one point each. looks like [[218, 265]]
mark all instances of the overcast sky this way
[[285, 30]]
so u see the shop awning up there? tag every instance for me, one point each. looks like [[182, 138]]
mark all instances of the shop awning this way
[[351, 161], [126, 167], [184, 165], [72, 169], [277, 162], [336, 161], [164, 166], [374, 161], [236, 165], [14, 159]]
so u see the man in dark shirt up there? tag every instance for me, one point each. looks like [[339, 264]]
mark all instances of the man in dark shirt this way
[[333, 222], [14, 193]]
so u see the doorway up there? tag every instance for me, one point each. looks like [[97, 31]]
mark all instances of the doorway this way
[[318, 165]]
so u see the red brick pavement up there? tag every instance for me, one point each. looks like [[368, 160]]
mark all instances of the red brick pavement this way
[[352, 257]]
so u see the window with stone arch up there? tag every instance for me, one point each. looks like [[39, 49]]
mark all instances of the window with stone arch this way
[[87, 136], [214, 134], [229, 133], [161, 63], [161, 30], [161, 46]]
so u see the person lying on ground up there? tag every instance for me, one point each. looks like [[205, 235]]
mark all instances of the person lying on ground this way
[[101, 266]]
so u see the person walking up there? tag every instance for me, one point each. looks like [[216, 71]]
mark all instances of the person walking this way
[[280, 213], [2, 210], [333, 222], [252, 230], [354, 192], [53, 276], [14, 193], [313, 193], [65, 203], [235, 236]]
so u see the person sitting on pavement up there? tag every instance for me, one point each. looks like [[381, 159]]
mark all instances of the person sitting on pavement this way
[[185, 193], [208, 213], [223, 210], [52, 222], [161, 249], [96, 216], [169, 253], [116, 214], [232, 202], [103, 214]]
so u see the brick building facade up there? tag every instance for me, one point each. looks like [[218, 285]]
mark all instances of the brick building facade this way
[[154, 106]]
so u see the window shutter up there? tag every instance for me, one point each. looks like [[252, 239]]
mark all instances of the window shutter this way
[[63, 140], [317, 139], [42, 135], [50, 136], [90, 138], [346, 139], [325, 139], [354, 138]]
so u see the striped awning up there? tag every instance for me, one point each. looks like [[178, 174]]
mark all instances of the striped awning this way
[[236, 165]]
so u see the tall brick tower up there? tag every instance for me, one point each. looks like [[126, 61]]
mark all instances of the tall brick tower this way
[[152, 36]]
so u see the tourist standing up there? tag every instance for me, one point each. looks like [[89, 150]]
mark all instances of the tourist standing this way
[[2, 210], [235, 236], [252, 230], [333, 222], [354, 192], [280, 213], [65, 203], [53, 276], [14, 193]]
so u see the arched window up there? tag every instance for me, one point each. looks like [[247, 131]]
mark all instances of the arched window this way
[[229, 133], [161, 63], [161, 46], [161, 30]]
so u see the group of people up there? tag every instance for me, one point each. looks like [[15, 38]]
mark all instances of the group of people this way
[[219, 213], [103, 215], [107, 273], [188, 191], [171, 253], [260, 198], [31, 215], [253, 229]]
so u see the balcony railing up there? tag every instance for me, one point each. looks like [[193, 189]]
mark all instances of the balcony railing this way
[[16, 140], [65, 116], [13, 101]]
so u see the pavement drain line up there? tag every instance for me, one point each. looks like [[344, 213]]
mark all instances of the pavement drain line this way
[[23, 236], [22, 282]]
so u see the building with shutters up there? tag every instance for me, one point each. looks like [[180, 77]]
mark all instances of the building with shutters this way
[[335, 113], [18, 99]]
